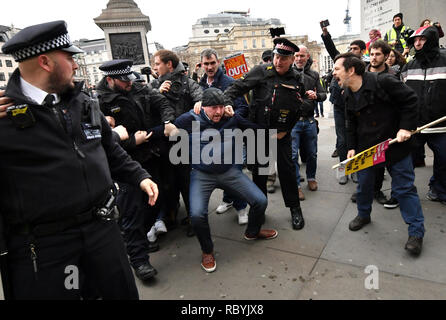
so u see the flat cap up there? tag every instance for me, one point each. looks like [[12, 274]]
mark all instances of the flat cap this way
[[39, 39], [119, 69], [284, 47], [213, 97]]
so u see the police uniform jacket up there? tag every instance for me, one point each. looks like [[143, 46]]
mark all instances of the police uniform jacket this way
[[385, 106], [62, 165], [274, 104], [140, 109]]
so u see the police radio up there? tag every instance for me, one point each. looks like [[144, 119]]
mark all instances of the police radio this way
[[21, 116]]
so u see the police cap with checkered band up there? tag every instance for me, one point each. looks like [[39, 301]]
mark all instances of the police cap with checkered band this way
[[284, 47], [39, 39], [120, 69]]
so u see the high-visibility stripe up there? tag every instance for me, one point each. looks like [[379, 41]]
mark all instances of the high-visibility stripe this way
[[392, 36], [430, 74]]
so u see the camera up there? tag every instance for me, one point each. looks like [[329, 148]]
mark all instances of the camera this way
[[276, 32], [175, 87], [325, 23], [147, 71], [407, 33]]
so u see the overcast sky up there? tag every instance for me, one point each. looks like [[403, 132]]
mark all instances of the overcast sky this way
[[172, 20]]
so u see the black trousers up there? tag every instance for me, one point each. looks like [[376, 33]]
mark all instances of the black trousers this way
[[137, 217], [94, 251], [178, 180], [286, 171]]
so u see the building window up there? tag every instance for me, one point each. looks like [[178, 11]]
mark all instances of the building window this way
[[226, 30], [9, 74], [254, 44], [2, 76], [231, 48], [216, 31], [262, 33], [245, 44], [1, 63], [96, 79], [253, 33], [206, 31], [263, 43], [9, 63]]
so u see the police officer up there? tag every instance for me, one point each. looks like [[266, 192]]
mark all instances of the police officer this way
[[57, 165], [137, 108], [277, 97]]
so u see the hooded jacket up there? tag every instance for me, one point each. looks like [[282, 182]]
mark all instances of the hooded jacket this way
[[426, 75], [140, 109], [189, 90], [311, 82], [62, 165]]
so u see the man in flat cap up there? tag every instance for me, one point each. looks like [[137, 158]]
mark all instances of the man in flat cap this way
[[59, 160], [137, 108], [220, 172], [278, 92]]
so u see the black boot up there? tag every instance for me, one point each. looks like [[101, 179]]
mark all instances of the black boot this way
[[414, 245], [297, 219], [145, 271]]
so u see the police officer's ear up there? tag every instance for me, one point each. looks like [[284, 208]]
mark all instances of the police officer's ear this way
[[45, 62]]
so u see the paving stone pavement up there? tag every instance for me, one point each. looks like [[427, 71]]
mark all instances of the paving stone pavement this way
[[323, 261]]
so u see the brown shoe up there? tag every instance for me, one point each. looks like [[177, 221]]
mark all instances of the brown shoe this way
[[301, 195], [265, 234], [208, 262], [312, 185]]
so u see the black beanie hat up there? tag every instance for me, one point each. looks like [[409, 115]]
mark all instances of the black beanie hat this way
[[398, 15]]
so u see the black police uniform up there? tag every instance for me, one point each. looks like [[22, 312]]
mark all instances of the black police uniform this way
[[276, 104], [136, 110], [56, 169]]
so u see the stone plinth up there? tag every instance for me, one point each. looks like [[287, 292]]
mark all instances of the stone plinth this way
[[125, 28]]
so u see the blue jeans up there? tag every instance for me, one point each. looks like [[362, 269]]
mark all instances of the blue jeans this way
[[238, 203], [437, 143], [305, 132], [341, 138], [202, 185], [403, 189]]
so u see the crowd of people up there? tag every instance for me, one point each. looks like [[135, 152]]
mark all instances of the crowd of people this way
[[95, 184]]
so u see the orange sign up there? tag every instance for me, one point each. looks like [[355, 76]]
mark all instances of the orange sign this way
[[236, 66]]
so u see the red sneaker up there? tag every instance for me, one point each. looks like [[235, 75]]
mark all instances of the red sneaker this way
[[265, 234], [208, 262]]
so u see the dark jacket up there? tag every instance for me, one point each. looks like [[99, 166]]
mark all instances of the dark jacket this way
[[277, 111], [61, 166], [223, 128], [312, 82], [140, 109], [425, 75], [385, 106], [189, 92], [222, 82]]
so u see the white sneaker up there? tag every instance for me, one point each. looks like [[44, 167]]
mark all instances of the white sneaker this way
[[223, 207], [151, 235], [160, 227], [242, 216]]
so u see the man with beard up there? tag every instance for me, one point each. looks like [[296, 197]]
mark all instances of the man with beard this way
[[58, 161], [137, 108], [426, 75], [379, 107], [379, 52]]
